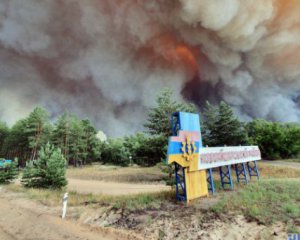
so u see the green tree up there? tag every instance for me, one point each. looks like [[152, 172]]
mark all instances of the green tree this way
[[4, 132], [208, 123], [275, 140], [114, 152], [90, 141], [291, 141], [48, 171], [77, 142], [8, 173], [38, 129], [16, 144], [145, 150], [159, 117], [61, 134], [222, 127]]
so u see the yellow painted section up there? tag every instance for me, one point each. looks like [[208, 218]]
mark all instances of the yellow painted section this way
[[196, 184], [192, 164]]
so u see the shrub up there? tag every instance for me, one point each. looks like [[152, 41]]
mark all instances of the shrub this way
[[48, 171], [115, 152], [8, 173], [276, 140]]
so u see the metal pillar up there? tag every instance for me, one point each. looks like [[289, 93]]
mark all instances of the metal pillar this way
[[241, 174], [210, 181], [180, 183], [253, 170], [225, 176]]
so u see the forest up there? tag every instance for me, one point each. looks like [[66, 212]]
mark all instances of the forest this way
[[80, 144]]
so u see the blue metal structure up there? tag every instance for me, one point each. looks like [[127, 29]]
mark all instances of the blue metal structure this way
[[253, 170], [225, 176], [241, 173], [210, 181], [180, 183]]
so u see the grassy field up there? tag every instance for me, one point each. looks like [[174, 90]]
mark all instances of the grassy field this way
[[117, 174]]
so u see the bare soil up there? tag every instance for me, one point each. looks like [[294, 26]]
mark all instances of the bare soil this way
[[179, 221], [22, 219]]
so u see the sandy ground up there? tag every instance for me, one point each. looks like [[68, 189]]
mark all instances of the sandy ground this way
[[282, 164], [113, 188], [22, 219]]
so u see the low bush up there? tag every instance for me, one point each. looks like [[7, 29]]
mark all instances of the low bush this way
[[48, 171]]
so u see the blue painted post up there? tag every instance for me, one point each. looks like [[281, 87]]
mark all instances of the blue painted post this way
[[226, 175], [253, 170], [241, 173], [180, 183], [210, 181]]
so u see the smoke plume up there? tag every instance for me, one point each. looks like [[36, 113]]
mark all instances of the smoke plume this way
[[108, 59]]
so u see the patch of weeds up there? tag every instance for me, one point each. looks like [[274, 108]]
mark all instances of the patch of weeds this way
[[161, 234], [263, 201], [292, 228], [291, 209]]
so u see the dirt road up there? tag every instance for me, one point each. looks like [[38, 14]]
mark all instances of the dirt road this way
[[113, 188], [22, 219]]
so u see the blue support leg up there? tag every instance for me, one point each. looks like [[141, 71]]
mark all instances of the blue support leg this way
[[210, 181], [241, 174], [180, 183], [225, 176], [253, 170]]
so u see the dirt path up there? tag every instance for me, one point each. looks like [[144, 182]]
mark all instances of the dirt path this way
[[22, 219], [113, 188], [282, 164]]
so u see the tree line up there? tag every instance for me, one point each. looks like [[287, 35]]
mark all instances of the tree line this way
[[76, 138], [78, 142]]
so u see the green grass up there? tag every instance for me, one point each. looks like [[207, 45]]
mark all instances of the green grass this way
[[266, 201]]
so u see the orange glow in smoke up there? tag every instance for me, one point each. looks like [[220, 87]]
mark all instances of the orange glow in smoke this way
[[166, 51], [187, 57]]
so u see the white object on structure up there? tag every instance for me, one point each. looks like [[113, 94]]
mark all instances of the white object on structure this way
[[65, 203], [212, 157]]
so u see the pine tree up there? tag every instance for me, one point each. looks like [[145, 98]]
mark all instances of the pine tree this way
[[208, 122], [159, 117], [8, 173], [77, 142], [223, 127], [91, 142], [61, 134], [38, 130], [16, 143], [48, 171], [4, 133]]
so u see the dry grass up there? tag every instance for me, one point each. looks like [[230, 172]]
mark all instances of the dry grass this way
[[117, 174], [154, 174], [54, 198], [291, 160], [267, 171]]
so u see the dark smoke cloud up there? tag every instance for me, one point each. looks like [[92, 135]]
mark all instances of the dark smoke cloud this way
[[107, 59]]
